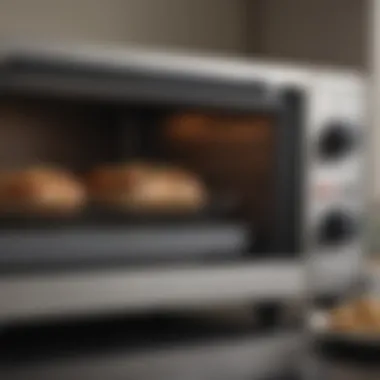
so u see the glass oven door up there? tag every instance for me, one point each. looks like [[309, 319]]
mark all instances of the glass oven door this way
[[103, 166]]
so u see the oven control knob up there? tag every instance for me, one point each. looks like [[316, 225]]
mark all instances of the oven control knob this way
[[336, 141], [336, 227]]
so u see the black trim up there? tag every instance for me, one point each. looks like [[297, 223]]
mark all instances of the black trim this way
[[149, 333], [351, 351], [289, 174], [53, 77]]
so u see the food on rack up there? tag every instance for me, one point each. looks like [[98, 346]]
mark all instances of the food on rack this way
[[235, 152], [205, 128], [362, 315], [342, 319], [188, 127], [41, 190], [146, 187]]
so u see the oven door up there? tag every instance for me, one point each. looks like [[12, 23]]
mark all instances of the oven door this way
[[242, 139]]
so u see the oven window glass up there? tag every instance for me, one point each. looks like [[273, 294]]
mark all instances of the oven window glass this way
[[234, 155], [82, 164]]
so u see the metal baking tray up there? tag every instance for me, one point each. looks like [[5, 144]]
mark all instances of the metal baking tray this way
[[72, 75], [50, 244]]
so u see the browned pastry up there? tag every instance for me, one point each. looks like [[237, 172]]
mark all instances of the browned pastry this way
[[188, 128], [113, 181], [236, 153], [362, 315], [41, 190], [342, 319], [367, 313], [142, 187], [200, 128]]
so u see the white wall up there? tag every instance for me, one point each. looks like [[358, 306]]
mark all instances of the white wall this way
[[200, 24]]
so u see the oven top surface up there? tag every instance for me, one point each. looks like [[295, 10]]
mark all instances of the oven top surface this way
[[235, 69]]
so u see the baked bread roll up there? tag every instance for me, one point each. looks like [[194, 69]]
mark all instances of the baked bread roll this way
[[41, 190], [367, 313], [193, 128], [343, 319], [363, 315], [141, 187]]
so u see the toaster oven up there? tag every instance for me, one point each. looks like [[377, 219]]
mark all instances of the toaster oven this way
[[131, 160]]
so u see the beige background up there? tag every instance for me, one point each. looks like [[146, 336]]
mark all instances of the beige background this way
[[326, 31], [202, 24], [331, 31]]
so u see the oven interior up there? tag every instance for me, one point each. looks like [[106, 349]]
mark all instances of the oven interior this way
[[231, 154]]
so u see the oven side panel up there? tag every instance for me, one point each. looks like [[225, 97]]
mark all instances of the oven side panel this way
[[336, 186]]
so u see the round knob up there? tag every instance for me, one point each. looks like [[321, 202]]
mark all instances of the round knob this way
[[336, 141], [336, 227]]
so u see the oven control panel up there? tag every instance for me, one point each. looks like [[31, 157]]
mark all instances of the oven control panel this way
[[336, 142], [337, 227], [336, 187]]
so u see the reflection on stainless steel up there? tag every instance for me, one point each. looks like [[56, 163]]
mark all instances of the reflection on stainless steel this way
[[28, 296]]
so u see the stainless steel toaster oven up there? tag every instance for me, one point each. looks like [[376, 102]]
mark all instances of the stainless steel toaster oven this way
[[120, 162]]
